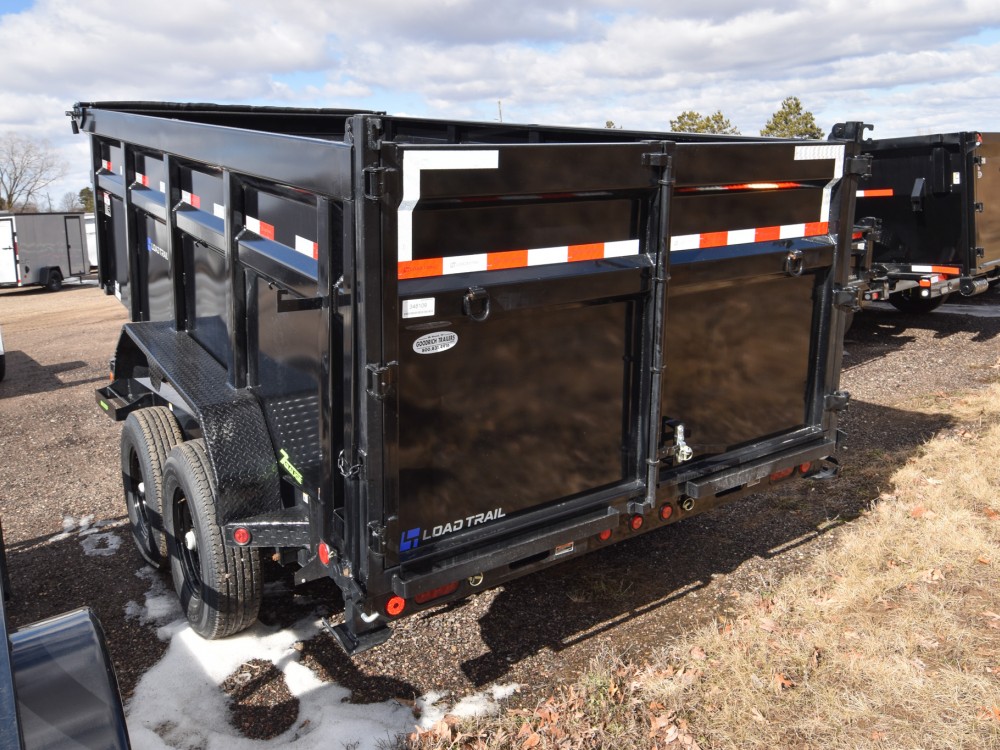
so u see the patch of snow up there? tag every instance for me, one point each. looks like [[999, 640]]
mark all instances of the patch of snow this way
[[160, 606], [101, 544], [178, 703]]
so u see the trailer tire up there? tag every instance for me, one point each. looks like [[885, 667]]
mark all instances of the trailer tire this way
[[55, 280], [219, 587], [914, 303], [147, 439]]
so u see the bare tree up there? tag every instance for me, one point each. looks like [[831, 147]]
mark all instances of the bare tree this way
[[70, 202], [27, 167]]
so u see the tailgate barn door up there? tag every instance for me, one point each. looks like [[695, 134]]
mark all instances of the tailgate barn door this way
[[522, 286], [986, 210], [751, 252]]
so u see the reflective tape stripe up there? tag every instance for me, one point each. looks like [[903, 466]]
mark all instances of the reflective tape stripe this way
[[747, 236], [191, 199], [260, 227], [142, 179], [946, 270], [541, 256], [877, 193], [307, 247], [833, 151], [415, 162]]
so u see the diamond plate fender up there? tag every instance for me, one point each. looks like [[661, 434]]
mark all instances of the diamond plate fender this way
[[232, 423]]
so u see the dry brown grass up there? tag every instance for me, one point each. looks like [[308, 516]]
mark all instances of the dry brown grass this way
[[890, 639]]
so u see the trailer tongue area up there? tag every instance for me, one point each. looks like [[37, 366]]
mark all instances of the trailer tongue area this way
[[444, 355]]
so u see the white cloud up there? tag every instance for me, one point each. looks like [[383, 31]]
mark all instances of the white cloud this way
[[900, 64]]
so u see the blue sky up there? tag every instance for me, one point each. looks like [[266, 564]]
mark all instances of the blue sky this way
[[907, 66]]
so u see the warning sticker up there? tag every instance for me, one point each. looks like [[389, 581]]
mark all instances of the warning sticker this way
[[432, 343]]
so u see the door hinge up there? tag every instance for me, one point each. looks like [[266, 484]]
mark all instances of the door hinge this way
[[381, 380], [837, 401], [656, 159], [375, 181], [846, 299], [860, 164]]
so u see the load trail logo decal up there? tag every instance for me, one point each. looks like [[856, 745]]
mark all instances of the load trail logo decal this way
[[411, 539]]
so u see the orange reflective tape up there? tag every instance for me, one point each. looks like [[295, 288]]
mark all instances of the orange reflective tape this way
[[713, 239], [506, 259], [592, 251], [877, 193], [418, 269], [766, 234], [816, 227]]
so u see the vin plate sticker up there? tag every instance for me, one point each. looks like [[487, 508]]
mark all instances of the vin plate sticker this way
[[418, 308], [432, 343]]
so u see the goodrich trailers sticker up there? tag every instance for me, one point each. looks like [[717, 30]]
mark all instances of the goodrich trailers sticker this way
[[433, 343]]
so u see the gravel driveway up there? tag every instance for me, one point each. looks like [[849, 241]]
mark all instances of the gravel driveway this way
[[69, 544]]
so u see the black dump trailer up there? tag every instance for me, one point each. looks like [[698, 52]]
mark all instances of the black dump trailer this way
[[931, 215], [424, 358], [42, 249]]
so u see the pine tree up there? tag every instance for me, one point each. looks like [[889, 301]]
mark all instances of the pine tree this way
[[791, 121], [694, 122]]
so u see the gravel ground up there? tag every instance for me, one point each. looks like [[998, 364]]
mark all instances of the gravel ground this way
[[69, 544]]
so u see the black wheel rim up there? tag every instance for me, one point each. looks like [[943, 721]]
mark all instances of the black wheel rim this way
[[136, 502], [184, 531]]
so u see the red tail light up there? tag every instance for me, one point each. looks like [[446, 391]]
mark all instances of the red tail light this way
[[241, 536], [395, 606], [427, 596], [803, 468], [635, 523], [604, 535], [324, 553], [666, 511], [782, 474]]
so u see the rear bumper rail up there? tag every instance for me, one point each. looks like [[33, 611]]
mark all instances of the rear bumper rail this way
[[408, 583]]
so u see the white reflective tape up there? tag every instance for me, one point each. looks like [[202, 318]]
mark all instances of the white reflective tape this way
[[543, 256], [219, 210], [414, 162], [621, 248], [833, 151], [305, 246], [163, 186], [791, 231], [685, 242], [185, 196], [253, 224], [742, 236], [465, 264], [921, 269]]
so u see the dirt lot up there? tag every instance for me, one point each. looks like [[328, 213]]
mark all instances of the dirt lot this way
[[69, 545]]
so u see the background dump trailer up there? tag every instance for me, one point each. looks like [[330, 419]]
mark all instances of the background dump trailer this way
[[932, 208], [41, 249], [424, 358]]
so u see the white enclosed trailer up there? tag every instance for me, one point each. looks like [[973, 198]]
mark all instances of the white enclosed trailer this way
[[42, 249]]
